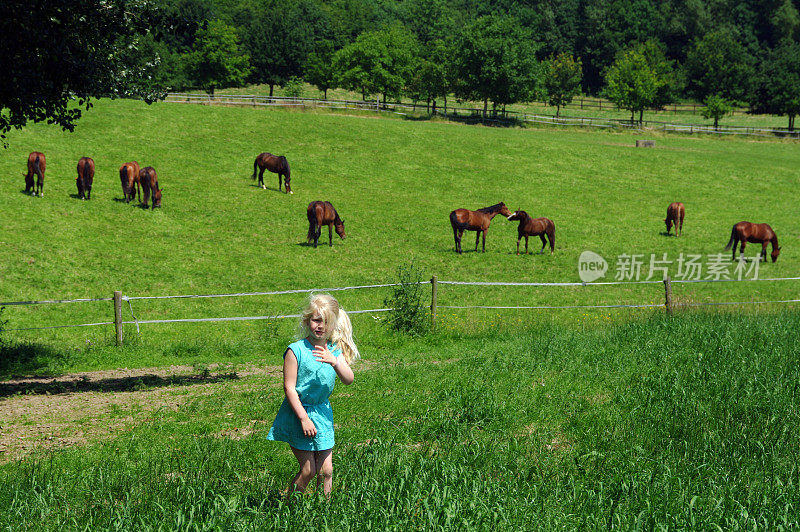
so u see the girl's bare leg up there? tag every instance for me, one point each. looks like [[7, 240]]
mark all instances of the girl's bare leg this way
[[308, 468], [324, 462]]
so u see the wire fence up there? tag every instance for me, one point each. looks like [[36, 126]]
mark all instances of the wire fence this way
[[471, 113], [668, 304]]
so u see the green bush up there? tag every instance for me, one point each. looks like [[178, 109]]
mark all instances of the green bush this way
[[294, 88], [408, 315]]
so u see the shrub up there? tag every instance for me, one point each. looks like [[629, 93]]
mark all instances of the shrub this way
[[408, 315], [294, 87]]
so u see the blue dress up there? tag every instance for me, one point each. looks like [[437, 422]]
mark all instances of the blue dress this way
[[315, 382]]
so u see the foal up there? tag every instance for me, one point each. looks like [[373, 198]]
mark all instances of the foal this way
[[534, 227]]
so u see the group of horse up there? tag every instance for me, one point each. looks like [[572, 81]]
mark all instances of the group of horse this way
[[318, 213], [741, 233], [143, 182], [466, 220]]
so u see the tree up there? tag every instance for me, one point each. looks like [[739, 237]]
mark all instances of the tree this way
[[377, 62], [217, 61], [641, 78], [778, 85], [432, 75], [59, 51], [319, 68], [716, 107], [718, 64], [495, 60], [280, 37], [428, 20], [562, 80]]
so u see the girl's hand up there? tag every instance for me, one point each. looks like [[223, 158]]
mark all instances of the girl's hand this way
[[323, 354], [309, 430]]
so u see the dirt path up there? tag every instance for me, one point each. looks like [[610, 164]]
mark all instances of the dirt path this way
[[75, 409]]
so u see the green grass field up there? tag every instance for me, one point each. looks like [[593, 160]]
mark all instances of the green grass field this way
[[394, 182], [506, 419]]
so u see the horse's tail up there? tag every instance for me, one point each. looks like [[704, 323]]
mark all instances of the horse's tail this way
[[551, 234], [733, 238], [311, 214], [455, 222], [37, 168], [255, 168]]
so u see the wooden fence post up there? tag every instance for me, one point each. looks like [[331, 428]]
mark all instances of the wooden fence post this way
[[434, 294], [668, 294], [118, 315]]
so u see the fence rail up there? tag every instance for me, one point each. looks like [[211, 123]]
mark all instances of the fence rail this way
[[668, 304], [471, 113]]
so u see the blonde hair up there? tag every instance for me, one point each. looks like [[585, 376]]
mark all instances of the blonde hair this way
[[338, 328]]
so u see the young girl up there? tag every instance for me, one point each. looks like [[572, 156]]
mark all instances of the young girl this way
[[310, 367]]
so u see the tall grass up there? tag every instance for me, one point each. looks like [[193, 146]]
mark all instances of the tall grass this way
[[686, 422]]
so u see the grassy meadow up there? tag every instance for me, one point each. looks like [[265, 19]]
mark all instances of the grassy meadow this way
[[497, 419], [394, 182]]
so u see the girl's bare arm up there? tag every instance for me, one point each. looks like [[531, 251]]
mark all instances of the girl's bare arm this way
[[289, 385]]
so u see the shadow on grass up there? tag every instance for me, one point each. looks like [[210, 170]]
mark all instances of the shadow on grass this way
[[24, 358], [471, 120], [122, 200], [36, 386]]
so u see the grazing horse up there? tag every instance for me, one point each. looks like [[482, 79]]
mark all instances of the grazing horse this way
[[675, 213], [36, 166], [85, 177], [129, 177], [149, 181], [534, 227], [277, 164], [467, 220], [756, 233], [321, 213]]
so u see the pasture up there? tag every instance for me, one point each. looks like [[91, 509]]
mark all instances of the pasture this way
[[590, 418]]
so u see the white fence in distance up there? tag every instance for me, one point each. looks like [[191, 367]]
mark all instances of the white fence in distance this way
[[451, 112], [119, 298]]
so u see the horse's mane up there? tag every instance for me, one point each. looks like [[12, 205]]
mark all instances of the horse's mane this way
[[490, 210], [523, 215]]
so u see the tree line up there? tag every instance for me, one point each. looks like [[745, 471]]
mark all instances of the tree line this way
[[639, 54]]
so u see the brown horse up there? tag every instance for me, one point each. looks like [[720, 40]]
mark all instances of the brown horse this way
[[129, 177], [85, 177], [277, 164], [467, 220], [36, 166], [534, 227], [675, 213], [149, 181], [321, 213], [756, 233]]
